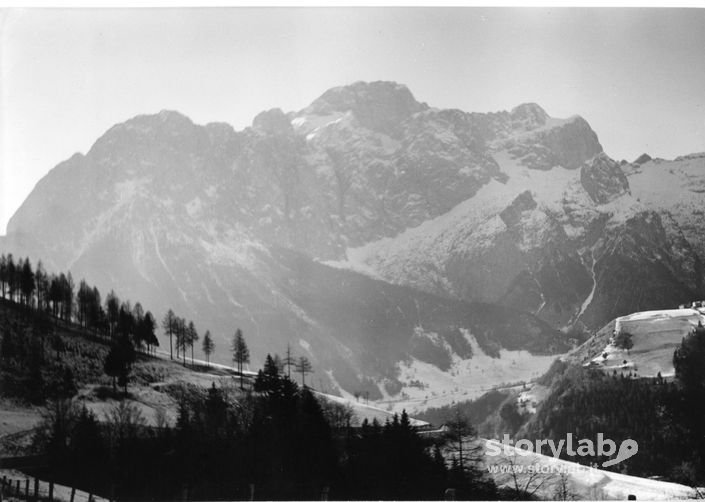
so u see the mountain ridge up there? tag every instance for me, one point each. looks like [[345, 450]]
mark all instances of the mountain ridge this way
[[192, 215]]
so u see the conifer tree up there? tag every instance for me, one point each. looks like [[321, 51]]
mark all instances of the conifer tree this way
[[112, 309], [191, 337], [10, 274], [241, 354], [169, 327], [27, 285], [3, 274], [146, 331], [268, 377], [208, 346]]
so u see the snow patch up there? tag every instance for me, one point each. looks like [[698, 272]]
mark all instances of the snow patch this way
[[655, 335], [466, 379]]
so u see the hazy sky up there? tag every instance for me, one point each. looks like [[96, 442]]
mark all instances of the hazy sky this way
[[637, 75]]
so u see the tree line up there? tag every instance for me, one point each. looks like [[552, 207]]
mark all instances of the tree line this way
[[57, 295], [664, 416], [276, 441], [127, 328]]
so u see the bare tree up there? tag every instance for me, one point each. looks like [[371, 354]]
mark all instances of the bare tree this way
[[562, 489], [304, 366], [524, 480], [289, 360], [461, 440]]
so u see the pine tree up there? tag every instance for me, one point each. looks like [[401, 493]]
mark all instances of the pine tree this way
[[27, 285], [67, 298], [268, 377], [688, 362], [10, 273], [241, 354], [3, 274], [146, 331], [42, 281], [208, 346], [169, 327], [191, 337], [112, 309], [181, 338]]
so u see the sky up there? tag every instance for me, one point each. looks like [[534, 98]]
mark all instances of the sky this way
[[637, 75]]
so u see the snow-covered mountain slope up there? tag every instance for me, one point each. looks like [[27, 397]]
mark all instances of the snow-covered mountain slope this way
[[655, 334], [567, 244], [516, 208], [426, 385], [224, 226]]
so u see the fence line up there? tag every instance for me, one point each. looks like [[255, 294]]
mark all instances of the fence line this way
[[33, 489]]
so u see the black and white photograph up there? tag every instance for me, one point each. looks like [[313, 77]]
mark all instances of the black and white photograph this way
[[373, 252]]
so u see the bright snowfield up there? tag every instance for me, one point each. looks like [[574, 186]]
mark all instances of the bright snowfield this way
[[472, 224], [584, 482], [416, 256], [679, 185], [655, 334], [428, 386]]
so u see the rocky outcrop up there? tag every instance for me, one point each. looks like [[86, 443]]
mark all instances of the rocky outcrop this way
[[603, 179], [379, 106], [512, 214], [642, 159]]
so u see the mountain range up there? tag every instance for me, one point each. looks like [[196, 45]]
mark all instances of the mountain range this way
[[374, 233]]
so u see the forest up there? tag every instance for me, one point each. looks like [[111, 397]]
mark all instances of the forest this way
[[269, 439], [664, 415]]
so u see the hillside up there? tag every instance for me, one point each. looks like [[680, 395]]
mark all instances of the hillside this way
[[65, 360], [175, 427], [655, 334]]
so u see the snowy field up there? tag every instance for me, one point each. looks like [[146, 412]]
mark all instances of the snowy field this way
[[428, 386], [655, 334], [61, 493], [585, 483]]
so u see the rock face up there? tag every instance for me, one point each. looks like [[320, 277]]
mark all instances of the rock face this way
[[603, 179], [511, 215], [643, 159], [446, 210]]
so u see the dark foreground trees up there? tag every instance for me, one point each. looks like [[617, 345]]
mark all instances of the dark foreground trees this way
[[274, 443]]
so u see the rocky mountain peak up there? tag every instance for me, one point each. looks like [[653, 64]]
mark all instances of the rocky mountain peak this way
[[146, 131], [171, 120], [603, 179], [378, 105], [530, 115], [272, 121]]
